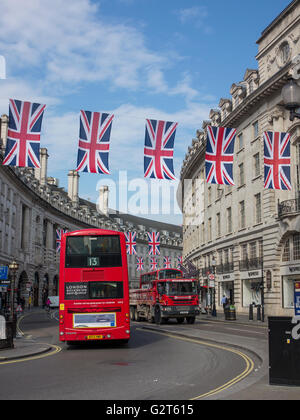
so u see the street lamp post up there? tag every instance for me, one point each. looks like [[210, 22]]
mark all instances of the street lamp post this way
[[13, 268], [291, 98], [214, 309]]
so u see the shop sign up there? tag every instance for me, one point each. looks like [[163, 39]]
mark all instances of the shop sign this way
[[226, 277], [290, 270], [3, 273], [248, 275], [297, 298]]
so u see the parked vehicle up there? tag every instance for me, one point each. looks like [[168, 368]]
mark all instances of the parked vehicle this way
[[164, 297]]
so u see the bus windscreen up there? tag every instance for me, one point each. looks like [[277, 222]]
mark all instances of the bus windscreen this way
[[93, 251]]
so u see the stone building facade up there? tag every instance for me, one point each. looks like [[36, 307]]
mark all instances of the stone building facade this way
[[33, 206], [247, 235]]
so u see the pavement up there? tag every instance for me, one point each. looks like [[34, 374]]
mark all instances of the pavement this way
[[24, 346]]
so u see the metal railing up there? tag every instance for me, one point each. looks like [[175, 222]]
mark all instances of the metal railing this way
[[251, 264], [288, 207], [225, 268]]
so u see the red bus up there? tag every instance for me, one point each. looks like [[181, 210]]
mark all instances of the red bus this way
[[93, 287]]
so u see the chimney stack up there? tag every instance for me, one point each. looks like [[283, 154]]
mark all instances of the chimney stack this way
[[103, 200], [41, 173], [73, 185], [3, 132]]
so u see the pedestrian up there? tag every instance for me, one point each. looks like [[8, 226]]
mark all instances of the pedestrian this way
[[22, 301], [48, 303], [224, 302], [29, 302]]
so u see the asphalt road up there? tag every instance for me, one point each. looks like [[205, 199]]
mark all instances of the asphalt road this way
[[151, 367]]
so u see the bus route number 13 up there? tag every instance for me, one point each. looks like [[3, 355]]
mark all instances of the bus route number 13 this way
[[93, 261]]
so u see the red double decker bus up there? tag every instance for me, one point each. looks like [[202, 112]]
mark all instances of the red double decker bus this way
[[93, 287]]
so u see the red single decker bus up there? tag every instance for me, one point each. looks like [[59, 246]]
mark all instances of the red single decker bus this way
[[93, 287]]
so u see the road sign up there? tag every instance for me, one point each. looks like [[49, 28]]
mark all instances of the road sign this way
[[297, 298], [3, 273]]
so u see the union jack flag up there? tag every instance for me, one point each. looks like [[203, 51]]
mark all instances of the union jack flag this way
[[159, 149], [94, 138], [167, 262], [153, 264], [154, 243], [277, 161], [179, 261], [219, 155], [24, 134], [130, 243], [140, 264], [59, 235]]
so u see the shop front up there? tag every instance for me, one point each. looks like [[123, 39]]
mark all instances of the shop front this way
[[226, 287], [290, 274], [251, 287]]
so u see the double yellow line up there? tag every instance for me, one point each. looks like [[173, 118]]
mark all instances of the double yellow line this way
[[248, 361], [56, 349]]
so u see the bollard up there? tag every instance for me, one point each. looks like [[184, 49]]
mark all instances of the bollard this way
[[258, 313], [251, 312]]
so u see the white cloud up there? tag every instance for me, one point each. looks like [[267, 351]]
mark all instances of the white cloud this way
[[71, 42], [198, 12]]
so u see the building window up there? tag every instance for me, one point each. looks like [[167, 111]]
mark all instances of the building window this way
[[252, 250], [229, 220], [255, 129], [242, 215], [209, 229], [241, 141], [203, 233], [286, 252], [256, 162], [257, 208], [241, 174], [296, 246], [244, 252], [209, 195], [218, 224]]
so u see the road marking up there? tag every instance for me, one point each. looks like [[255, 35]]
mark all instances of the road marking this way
[[248, 361], [56, 349], [252, 332], [230, 323]]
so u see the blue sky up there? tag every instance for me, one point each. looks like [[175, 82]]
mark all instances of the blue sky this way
[[138, 59]]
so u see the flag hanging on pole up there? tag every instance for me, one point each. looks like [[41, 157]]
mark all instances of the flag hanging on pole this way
[[277, 161], [167, 262], [154, 243], [94, 141], [219, 155], [159, 149], [140, 264], [59, 235], [130, 243], [24, 134]]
